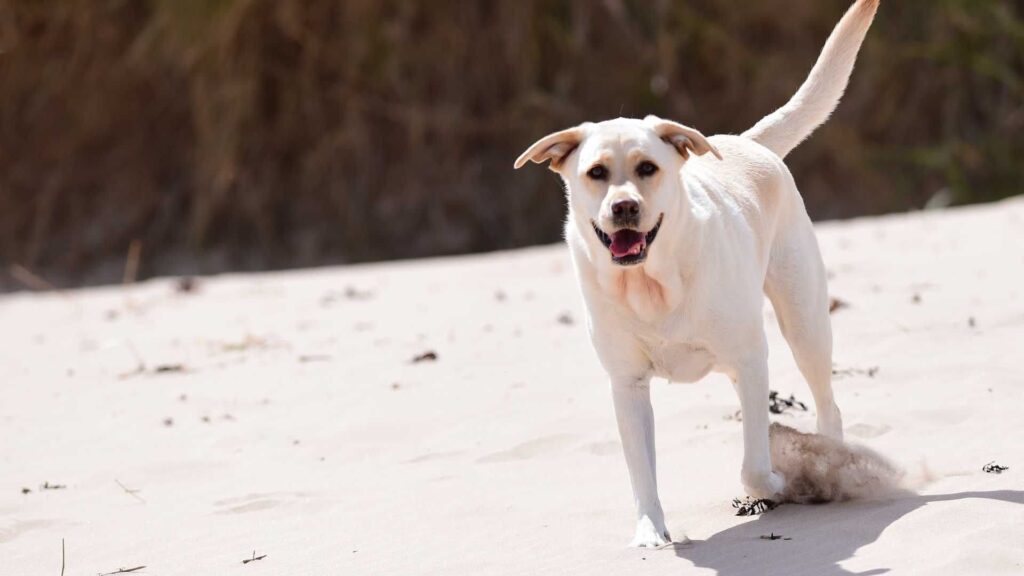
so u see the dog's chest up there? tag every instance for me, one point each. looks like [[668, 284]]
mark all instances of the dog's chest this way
[[679, 362]]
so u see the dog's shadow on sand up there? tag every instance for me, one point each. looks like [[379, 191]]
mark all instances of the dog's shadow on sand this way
[[822, 536]]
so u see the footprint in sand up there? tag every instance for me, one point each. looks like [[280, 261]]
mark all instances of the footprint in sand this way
[[529, 449], [606, 448], [257, 502], [942, 416], [867, 430], [8, 532], [431, 456]]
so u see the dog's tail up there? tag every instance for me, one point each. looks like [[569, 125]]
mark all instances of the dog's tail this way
[[784, 129]]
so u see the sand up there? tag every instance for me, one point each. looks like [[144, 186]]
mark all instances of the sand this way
[[282, 415]]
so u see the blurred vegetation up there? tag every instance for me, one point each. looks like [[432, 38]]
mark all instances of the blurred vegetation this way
[[248, 134]]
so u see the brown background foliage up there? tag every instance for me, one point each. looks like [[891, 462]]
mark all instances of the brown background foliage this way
[[250, 134]]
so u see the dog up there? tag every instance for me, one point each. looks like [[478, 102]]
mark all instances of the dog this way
[[676, 238]]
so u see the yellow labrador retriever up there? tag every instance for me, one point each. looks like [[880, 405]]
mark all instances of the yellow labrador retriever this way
[[675, 238]]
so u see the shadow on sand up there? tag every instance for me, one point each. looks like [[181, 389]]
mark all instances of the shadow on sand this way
[[822, 538]]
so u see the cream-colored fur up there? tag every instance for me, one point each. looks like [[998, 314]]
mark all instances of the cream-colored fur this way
[[723, 225]]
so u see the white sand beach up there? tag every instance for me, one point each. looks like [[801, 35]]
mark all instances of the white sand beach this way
[[282, 416]]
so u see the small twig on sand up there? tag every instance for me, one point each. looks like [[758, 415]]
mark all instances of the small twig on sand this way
[[168, 368], [29, 279], [131, 262], [140, 365], [141, 368], [835, 304], [130, 492], [123, 571], [428, 356], [48, 486], [248, 343], [254, 558], [843, 372], [61, 557]]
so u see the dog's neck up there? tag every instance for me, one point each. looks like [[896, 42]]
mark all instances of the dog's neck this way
[[649, 296], [657, 287]]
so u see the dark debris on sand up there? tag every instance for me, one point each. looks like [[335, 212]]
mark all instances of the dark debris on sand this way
[[123, 571], [777, 404], [186, 285], [752, 506], [993, 468], [844, 372], [350, 293], [169, 368], [836, 304], [254, 558], [429, 356]]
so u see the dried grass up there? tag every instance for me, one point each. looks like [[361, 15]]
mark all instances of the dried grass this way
[[264, 133]]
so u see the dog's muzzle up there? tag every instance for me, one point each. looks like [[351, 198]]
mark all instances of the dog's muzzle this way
[[628, 246]]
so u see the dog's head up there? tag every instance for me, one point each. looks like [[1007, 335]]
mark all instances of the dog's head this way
[[622, 178]]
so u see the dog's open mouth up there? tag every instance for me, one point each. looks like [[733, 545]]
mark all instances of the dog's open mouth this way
[[628, 246]]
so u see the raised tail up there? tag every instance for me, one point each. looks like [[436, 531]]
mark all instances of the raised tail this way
[[783, 130]]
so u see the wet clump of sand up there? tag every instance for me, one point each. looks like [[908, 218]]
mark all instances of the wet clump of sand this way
[[820, 469]]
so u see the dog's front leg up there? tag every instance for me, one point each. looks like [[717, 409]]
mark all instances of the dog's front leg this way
[[751, 382], [636, 429]]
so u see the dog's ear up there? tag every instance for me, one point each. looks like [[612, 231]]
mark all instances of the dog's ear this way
[[683, 138], [555, 147]]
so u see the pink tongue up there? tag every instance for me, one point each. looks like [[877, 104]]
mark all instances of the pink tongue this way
[[627, 243]]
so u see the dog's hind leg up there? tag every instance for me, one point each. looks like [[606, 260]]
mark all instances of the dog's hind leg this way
[[797, 286]]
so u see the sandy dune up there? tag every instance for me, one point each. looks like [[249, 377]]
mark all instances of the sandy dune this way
[[298, 427]]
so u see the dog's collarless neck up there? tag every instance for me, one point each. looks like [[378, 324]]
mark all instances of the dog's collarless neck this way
[[644, 293]]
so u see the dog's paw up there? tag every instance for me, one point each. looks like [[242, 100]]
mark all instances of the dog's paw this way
[[764, 486], [649, 536], [830, 423], [831, 430]]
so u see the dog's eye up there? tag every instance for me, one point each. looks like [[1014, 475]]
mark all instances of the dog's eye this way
[[645, 169], [598, 173]]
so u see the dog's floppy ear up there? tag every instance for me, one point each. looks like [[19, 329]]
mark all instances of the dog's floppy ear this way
[[555, 147], [682, 138]]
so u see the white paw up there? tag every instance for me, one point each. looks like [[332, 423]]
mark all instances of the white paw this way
[[769, 486], [830, 428], [648, 535]]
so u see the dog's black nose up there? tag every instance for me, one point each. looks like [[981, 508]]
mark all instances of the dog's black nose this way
[[626, 209]]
